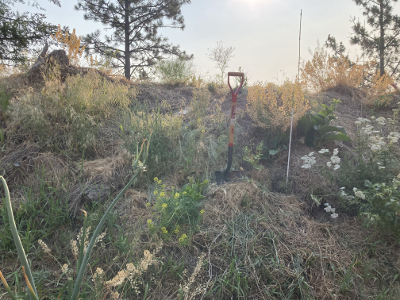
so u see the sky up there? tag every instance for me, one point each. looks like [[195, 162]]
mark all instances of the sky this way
[[264, 33]]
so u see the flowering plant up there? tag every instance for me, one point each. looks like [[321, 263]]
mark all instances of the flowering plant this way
[[177, 208], [379, 203]]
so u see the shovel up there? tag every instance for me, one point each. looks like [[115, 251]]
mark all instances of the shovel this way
[[228, 175]]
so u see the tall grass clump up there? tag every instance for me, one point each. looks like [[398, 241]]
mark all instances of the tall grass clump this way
[[67, 116], [139, 122], [176, 71]]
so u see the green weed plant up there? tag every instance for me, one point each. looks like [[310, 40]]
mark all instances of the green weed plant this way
[[178, 212], [317, 128]]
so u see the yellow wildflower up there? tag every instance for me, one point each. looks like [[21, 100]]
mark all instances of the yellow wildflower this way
[[203, 131], [148, 204], [202, 211], [155, 179], [176, 195], [162, 194], [149, 221], [155, 192], [184, 193], [164, 205]]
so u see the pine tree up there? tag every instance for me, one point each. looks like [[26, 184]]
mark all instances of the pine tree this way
[[382, 41], [135, 24], [18, 32]]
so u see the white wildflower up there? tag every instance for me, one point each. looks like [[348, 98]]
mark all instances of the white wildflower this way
[[360, 194], [336, 167], [329, 164], [306, 166], [311, 154], [334, 215], [322, 151], [381, 121], [328, 208], [335, 151], [335, 159]]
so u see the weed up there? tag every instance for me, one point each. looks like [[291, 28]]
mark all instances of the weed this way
[[178, 210]]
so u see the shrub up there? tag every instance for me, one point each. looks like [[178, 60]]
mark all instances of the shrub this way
[[270, 105], [324, 71], [212, 87], [175, 71]]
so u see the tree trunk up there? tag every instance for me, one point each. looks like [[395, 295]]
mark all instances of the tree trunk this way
[[382, 40], [127, 54]]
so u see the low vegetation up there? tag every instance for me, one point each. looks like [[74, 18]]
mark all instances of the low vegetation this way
[[112, 193]]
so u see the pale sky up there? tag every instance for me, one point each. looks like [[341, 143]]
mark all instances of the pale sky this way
[[265, 33]]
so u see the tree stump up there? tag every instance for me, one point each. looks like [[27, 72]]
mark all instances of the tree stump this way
[[45, 64]]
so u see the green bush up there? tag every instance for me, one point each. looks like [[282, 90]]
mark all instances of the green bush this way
[[175, 71], [212, 87]]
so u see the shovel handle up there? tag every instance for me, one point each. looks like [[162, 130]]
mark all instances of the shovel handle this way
[[236, 74]]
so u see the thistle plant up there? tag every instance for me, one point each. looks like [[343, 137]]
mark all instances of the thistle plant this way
[[84, 248]]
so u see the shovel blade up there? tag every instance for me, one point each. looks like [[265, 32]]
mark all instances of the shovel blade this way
[[221, 177]]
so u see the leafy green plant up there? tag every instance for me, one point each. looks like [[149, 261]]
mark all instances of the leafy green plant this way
[[254, 159], [178, 209], [73, 290], [381, 204], [317, 128]]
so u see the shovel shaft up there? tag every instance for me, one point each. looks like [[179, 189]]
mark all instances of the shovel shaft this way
[[233, 106]]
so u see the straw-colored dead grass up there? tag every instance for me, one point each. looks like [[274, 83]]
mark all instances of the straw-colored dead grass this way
[[26, 165], [323, 254], [100, 178]]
